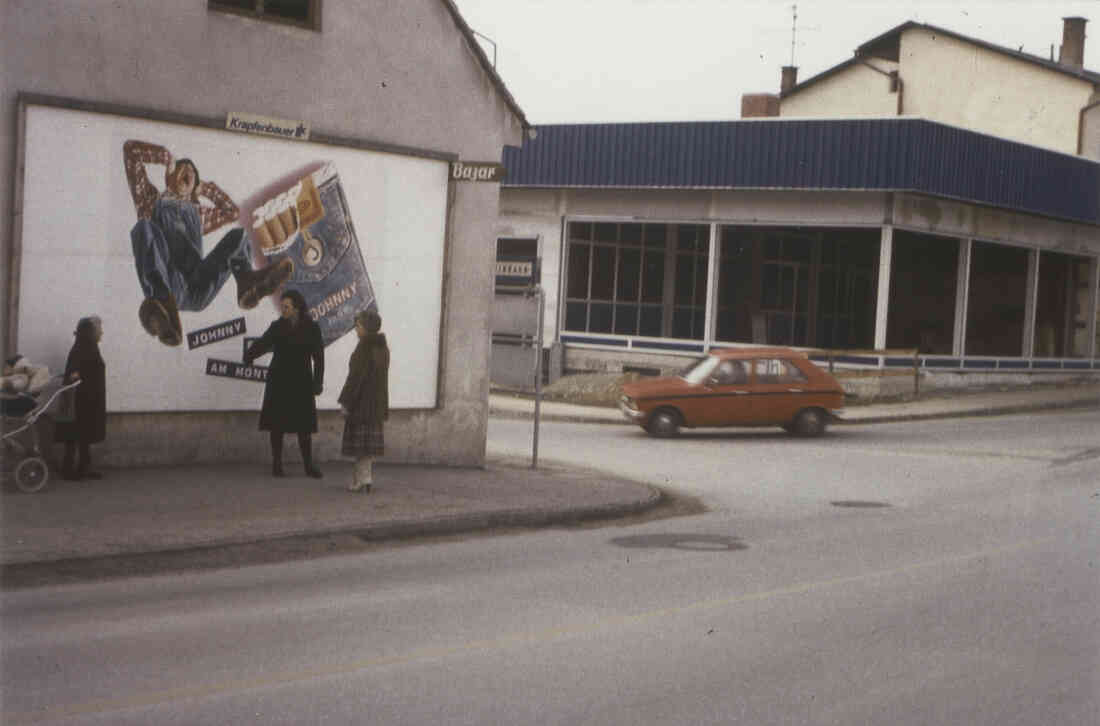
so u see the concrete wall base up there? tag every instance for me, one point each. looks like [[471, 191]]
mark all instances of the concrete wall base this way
[[213, 437]]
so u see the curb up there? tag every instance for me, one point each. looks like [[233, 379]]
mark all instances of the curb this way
[[467, 523], [1007, 410]]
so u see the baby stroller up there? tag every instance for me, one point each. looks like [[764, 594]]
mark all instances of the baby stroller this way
[[22, 450]]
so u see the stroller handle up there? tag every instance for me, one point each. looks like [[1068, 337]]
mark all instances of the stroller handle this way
[[42, 408]]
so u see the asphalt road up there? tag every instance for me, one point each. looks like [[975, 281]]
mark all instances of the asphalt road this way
[[932, 573]]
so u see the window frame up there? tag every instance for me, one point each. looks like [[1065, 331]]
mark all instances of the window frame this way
[[624, 315], [258, 12]]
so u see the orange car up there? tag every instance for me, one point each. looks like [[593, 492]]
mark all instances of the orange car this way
[[737, 387]]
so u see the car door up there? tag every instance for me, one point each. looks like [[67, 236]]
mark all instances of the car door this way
[[728, 399], [779, 390]]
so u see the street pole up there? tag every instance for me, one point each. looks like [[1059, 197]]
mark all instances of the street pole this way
[[536, 290]]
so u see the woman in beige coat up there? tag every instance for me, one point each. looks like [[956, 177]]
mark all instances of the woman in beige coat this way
[[365, 399]]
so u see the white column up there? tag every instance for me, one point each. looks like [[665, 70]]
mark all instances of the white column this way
[[1031, 303], [885, 255], [710, 313], [962, 298]]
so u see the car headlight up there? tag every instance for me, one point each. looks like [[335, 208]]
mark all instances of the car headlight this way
[[629, 403]]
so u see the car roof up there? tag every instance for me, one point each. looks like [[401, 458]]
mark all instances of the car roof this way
[[760, 352]]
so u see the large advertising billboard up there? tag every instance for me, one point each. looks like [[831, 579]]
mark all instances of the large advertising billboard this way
[[181, 239]]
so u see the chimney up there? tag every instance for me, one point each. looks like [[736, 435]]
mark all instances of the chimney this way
[[759, 105], [790, 78], [1072, 52]]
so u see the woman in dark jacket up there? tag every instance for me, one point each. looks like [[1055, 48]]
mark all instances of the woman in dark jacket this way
[[292, 382], [365, 399], [90, 401]]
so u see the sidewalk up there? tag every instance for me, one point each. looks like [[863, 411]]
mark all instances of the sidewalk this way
[[163, 510], [141, 511]]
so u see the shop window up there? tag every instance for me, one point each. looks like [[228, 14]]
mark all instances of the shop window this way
[[736, 273], [785, 276], [798, 286], [615, 278], [997, 301], [304, 13], [1061, 313], [847, 288], [690, 294], [923, 283]]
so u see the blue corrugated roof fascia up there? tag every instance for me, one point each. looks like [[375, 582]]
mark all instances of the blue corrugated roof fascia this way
[[811, 154]]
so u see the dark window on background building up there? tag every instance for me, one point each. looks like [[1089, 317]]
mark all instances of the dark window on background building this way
[[923, 285], [615, 278], [998, 300], [798, 286], [305, 13], [1062, 309]]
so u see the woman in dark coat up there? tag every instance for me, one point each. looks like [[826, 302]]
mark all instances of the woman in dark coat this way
[[90, 401], [365, 399], [292, 382]]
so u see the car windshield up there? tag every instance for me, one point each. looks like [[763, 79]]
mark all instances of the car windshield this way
[[699, 370]]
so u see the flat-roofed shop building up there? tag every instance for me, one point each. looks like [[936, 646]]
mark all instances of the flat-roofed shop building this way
[[961, 223]]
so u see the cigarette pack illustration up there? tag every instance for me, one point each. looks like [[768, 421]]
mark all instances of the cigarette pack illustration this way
[[310, 224]]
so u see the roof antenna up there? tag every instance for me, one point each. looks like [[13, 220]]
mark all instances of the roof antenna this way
[[794, 26]]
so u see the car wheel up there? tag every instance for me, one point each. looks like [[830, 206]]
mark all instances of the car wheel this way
[[664, 423], [810, 422]]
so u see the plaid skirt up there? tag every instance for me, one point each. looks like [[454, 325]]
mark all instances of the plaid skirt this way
[[362, 439]]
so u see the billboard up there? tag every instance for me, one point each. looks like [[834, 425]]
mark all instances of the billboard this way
[[181, 239]]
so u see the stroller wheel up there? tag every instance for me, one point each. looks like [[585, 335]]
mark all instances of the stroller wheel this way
[[31, 474]]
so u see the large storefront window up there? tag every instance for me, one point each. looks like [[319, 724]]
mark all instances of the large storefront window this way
[[797, 286], [615, 275], [1061, 313], [690, 295], [998, 300], [923, 283]]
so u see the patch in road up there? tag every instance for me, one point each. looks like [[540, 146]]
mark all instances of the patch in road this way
[[695, 542], [856, 503]]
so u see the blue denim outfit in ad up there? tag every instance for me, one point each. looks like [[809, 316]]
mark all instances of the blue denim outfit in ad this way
[[168, 255]]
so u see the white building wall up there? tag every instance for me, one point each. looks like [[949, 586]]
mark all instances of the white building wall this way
[[390, 73], [853, 92], [956, 219], [959, 83]]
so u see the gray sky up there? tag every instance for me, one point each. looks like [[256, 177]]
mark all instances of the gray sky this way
[[584, 61]]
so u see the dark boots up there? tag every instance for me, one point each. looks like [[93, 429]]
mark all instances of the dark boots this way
[[277, 453], [305, 445], [255, 285], [81, 468]]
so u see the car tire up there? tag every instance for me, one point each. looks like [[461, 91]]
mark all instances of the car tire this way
[[810, 422], [664, 423]]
